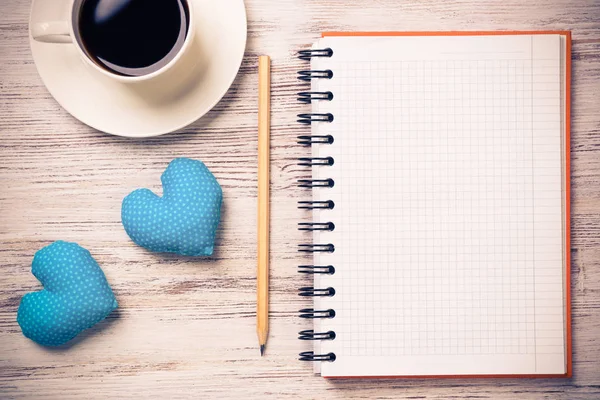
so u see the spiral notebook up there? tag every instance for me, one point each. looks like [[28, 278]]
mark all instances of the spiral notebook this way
[[440, 204]]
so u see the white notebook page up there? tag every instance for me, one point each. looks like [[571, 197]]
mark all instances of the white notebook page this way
[[449, 205]]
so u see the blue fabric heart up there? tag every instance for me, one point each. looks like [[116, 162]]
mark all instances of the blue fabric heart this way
[[185, 219], [76, 295]]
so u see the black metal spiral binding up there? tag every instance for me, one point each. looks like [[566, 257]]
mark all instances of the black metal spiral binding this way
[[310, 313], [311, 356], [316, 248], [316, 269], [308, 119], [309, 75], [317, 139], [311, 183], [309, 97], [306, 55], [312, 335], [316, 226], [316, 161], [309, 291], [316, 205]]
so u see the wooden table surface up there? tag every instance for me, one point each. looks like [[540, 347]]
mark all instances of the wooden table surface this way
[[185, 328]]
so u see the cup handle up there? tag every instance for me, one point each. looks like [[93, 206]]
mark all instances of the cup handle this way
[[52, 32]]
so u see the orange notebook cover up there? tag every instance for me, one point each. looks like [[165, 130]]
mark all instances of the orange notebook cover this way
[[345, 346]]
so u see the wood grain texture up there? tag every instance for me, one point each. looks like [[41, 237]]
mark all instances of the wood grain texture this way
[[185, 328]]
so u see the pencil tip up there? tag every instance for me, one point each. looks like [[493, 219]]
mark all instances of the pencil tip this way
[[262, 350]]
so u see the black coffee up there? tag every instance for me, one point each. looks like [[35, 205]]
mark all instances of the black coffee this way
[[133, 37]]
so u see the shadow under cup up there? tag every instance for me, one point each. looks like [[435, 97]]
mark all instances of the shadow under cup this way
[[131, 38]]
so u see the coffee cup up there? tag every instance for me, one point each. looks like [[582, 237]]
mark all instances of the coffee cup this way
[[129, 41]]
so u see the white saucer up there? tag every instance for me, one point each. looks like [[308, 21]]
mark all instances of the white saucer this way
[[112, 107]]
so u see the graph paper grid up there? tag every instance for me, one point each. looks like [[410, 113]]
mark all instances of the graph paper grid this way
[[449, 197]]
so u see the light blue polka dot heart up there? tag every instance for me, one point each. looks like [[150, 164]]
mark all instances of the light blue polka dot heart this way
[[185, 219], [76, 295]]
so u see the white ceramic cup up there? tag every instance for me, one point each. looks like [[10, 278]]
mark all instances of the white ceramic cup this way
[[174, 69]]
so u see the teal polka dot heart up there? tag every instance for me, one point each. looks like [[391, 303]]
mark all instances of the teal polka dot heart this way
[[76, 295], [185, 219]]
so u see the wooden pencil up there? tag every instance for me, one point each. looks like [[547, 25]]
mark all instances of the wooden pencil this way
[[264, 139]]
